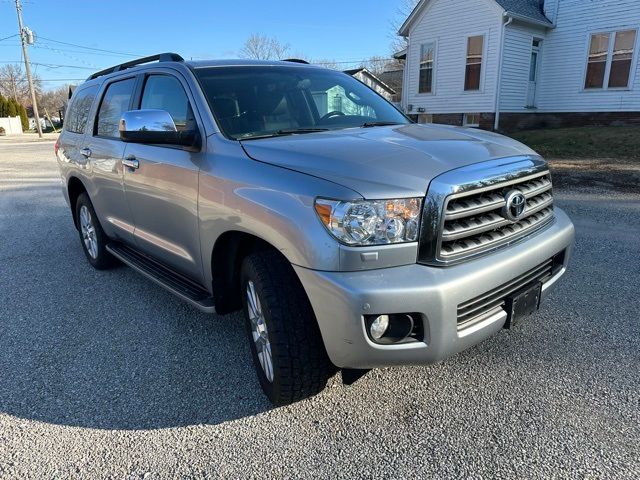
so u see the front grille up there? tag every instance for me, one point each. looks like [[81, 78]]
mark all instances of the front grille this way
[[473, 221], [492, 302]]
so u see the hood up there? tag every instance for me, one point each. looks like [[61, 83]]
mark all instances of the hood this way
[[384, 162]]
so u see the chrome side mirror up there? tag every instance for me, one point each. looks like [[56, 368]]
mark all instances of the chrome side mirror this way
[[154, 126]]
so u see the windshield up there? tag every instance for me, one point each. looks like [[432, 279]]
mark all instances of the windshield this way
[[260, 101]]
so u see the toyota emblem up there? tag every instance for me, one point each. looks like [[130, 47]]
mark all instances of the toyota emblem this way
[[515, 203]]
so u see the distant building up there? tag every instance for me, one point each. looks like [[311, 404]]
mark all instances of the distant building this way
[[374, 82], [517, 64]]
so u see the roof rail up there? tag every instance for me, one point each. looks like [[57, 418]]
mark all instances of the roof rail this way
[[295, 60], [161, 57]]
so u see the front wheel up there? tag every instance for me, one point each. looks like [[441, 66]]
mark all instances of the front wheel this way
[[288, 353]]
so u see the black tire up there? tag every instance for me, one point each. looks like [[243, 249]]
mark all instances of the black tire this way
[[300, 365], [99, 258]]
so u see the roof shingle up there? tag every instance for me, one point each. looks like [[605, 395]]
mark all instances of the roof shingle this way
[[526, 8]]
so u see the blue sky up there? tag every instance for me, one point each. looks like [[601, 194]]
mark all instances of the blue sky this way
[[343, 30]]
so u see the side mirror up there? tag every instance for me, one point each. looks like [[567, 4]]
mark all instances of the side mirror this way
[[154, 126]]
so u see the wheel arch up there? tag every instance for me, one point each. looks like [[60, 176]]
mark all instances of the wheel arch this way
[[75, 188], [228, 252]]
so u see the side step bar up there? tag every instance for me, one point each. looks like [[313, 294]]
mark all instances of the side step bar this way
[[165, 277]]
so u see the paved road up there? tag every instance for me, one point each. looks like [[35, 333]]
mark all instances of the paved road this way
[[105, 374]]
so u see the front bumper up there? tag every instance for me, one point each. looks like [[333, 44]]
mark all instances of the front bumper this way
[[340, 299]]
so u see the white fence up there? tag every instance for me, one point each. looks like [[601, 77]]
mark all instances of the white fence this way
[[11, 125]]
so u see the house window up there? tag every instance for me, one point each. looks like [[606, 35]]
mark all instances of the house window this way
[[597, 63], [610, 66], [474, 62], [471, 120], [425, 118], [427, 54], [621, 58]]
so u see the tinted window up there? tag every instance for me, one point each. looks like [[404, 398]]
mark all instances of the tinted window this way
[[164, 92], [250, 102], [474, 62], [115, 102], [78, 112]]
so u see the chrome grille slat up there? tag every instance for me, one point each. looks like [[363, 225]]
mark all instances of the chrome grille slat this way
[[473, 205], [474, 220], [493, 221], [496, 238]]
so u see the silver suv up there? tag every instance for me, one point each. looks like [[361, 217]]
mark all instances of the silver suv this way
[[350, 237]]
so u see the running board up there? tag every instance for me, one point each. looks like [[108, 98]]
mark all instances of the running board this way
[[177, 284]]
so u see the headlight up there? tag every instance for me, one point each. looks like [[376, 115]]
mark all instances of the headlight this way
[[371, 222]]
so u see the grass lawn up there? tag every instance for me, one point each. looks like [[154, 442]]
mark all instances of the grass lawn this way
[[584, 142]]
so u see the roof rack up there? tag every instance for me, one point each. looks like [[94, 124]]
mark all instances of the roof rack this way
[[161, 57], [295, 60]]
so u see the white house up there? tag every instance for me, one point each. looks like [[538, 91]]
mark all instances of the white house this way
[[373, 81], [512, 64]]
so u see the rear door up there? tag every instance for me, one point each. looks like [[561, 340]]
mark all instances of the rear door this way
[[72, 139], [106, 151], [162, 192]]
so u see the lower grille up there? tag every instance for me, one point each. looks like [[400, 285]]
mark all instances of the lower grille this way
[[491, 302]]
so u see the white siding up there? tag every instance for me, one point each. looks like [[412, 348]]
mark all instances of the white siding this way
[[516, 64], [564, 56], [448, 23]]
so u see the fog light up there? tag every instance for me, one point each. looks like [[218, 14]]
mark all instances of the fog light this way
[[379, 326]]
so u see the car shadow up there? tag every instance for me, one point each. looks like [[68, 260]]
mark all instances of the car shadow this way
[[108, 350]]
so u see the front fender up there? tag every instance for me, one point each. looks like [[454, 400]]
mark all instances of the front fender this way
[[275, 204]]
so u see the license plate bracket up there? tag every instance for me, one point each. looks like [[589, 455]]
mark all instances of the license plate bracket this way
[[522, 303]]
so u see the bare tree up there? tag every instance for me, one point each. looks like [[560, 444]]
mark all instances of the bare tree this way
[[327, 63], [378, 64], [54, 101], [13, 84], [261, 47], [403, 11]]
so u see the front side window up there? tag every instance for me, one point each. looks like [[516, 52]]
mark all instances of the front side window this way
[[78, 114], [258, 101], [164, 92], [474, 62], [610, 58], [427, 54], [115, 102]]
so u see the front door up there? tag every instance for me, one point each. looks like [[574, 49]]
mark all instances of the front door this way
[[533, 73], [162, 192]]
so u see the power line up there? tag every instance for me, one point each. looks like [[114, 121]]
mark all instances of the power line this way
[[90, 48], [50, 47], [10, 36], [50, 65]]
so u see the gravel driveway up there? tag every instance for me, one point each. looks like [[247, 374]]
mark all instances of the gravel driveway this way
[[103, 374]]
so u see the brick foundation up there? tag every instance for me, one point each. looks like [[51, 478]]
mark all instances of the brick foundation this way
[[513, 122]]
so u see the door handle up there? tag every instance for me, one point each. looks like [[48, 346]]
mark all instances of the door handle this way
[[85, 152], [131, 162]]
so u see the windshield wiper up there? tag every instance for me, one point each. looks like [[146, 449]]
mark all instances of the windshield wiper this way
[[280, 133], [379, 124], [293, 131]]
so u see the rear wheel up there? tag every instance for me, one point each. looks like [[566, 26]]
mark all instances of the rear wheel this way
[[287, 349], [92, 237]]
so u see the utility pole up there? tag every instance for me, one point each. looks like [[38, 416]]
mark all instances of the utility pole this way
[[27, 66]]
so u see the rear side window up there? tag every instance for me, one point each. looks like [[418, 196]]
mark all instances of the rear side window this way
[[164, 92], [78, 113], [115, 102]]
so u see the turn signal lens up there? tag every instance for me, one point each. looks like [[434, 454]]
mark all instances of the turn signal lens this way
[[371, 222]]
